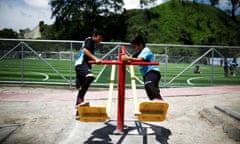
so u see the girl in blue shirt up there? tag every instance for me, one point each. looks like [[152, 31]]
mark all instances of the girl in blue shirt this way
[[151, 74]]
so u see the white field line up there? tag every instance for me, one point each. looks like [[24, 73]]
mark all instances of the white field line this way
[[193, 78], [43, 74]]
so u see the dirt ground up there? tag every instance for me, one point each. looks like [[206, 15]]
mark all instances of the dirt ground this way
[[42, 114]]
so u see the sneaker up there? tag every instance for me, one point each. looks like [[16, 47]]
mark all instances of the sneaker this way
[[77, 116], [82, 104], [79, 101]]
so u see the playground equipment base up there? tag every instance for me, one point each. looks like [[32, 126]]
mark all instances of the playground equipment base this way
[[92, 113], [152, 111]]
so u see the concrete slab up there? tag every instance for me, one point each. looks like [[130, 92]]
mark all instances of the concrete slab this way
[[134, 132], [232, 111], [226, 118], [48, 116], [6, 130]]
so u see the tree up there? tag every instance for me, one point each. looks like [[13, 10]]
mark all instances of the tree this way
[[47, 31], [23, 31], [75, 19], [8, 33], [146, 2], [235, 6], [214, 2]]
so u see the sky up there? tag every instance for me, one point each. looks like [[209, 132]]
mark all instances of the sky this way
[[21, 14]]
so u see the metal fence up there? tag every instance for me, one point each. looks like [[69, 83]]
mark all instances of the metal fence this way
[[51, 62]]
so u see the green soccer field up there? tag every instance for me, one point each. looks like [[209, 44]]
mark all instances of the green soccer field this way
[[35, 70]]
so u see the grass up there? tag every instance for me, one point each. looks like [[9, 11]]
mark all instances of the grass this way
[[37, 70]]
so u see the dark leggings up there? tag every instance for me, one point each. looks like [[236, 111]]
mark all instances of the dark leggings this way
[[84, 87], [151, 81]]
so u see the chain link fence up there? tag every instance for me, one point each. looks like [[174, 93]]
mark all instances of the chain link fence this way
[[51, 62]]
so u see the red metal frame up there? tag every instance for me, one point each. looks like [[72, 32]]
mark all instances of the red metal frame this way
[[121, 82]]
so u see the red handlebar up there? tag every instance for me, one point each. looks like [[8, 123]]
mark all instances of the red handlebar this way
[[119, 62]]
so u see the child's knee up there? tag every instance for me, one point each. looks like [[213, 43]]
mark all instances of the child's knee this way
[[152, 90], [90, 78], [90, 75], [149, 85]]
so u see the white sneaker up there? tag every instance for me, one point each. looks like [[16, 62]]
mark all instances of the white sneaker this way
[[77, 117], [82, 104]]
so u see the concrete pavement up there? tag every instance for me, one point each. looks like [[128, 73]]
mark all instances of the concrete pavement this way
[[60, 127]]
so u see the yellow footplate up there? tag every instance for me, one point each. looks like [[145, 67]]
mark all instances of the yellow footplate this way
[[152, 111], [92, 113]]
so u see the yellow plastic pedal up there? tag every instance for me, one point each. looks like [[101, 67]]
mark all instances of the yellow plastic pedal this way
[[153, 111], [92, 114]]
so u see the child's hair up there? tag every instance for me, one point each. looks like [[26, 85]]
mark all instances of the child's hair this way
[[139, 40], [97, 32]]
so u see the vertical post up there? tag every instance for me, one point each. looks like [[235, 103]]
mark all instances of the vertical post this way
[[111, 86], [212, 67], [166, 64], [71, 64], [22, 63], [133, 84], [121, 90]]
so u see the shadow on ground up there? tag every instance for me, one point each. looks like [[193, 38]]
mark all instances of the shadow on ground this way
[[103, 135], [6, 130]]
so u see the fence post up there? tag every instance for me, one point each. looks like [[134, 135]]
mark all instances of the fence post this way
[[212, 67], [22, 63], [165, 65], [71, 67]]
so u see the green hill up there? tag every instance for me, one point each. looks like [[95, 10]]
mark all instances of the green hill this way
[[182, 22]]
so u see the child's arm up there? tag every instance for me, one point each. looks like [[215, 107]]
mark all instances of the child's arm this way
[[128, 58], [92, 56]]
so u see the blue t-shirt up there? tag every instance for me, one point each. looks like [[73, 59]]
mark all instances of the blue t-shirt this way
[[88, 44], [148, 56]]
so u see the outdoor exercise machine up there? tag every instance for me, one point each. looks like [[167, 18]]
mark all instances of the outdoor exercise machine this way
[[148, 111]]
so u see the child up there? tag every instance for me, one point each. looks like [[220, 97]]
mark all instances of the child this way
[[233, 66], [225, 68], [151, 74], [84, 75], [197, 70]]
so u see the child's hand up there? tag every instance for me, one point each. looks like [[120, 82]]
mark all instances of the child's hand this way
[[98, 61], [125, 58]]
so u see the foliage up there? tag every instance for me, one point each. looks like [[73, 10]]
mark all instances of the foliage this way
[[47, 31], [75, 19], [177, 22], [8, 33], [22, 32], [184, 23], [146, 2], [235, 4]]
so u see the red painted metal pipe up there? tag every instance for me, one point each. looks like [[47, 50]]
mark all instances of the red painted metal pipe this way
[[121, 83], [121, 90], [143, 63], [118, 62], [110, 62]]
